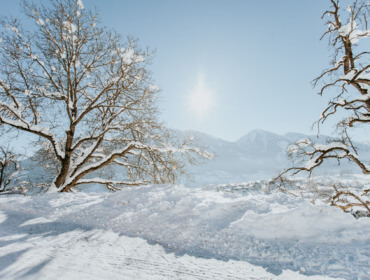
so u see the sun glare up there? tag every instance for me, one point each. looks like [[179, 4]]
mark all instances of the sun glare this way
[[200, 99]]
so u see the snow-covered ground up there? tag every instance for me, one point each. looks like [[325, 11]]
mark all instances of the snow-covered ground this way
[[173, 232]]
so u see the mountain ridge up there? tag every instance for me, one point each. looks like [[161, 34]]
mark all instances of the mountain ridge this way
[[259, 154]]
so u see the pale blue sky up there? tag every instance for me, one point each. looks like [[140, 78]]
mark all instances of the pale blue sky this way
[[256, 60]]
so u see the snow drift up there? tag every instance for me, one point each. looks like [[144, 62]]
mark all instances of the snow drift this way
[[272, 230]]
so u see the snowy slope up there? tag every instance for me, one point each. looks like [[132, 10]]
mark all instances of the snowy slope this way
[[257, 155], [192, 234]]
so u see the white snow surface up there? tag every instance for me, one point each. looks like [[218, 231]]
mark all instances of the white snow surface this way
[[174, 232]]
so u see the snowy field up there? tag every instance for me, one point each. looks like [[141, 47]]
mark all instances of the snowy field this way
[[173, 232]]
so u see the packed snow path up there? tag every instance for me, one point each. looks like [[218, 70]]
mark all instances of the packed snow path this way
[[98, 254], [192, 234]]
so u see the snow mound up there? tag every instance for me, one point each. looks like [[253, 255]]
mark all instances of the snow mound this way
[[274, 230]]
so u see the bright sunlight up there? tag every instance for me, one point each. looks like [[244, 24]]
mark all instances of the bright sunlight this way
[[200, 99]]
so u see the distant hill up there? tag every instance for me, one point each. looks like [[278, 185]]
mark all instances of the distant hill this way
[[257, 155]]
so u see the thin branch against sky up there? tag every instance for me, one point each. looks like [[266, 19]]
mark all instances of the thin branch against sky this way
[[258, 57]]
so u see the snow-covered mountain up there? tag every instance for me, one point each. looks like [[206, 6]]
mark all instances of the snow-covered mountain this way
[[259, 154]]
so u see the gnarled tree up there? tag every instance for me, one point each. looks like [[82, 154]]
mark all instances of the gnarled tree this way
[[87, 95], [349, 77]]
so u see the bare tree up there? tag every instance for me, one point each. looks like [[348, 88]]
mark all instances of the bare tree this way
[[8, 168], [88, 96], [349, 77]]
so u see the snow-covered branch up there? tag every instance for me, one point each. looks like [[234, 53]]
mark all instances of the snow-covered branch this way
[[314, 155], [89, 94], [111, 185], [22, 124]]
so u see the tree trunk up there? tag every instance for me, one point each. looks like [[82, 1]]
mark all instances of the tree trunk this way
[[66, 161]]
